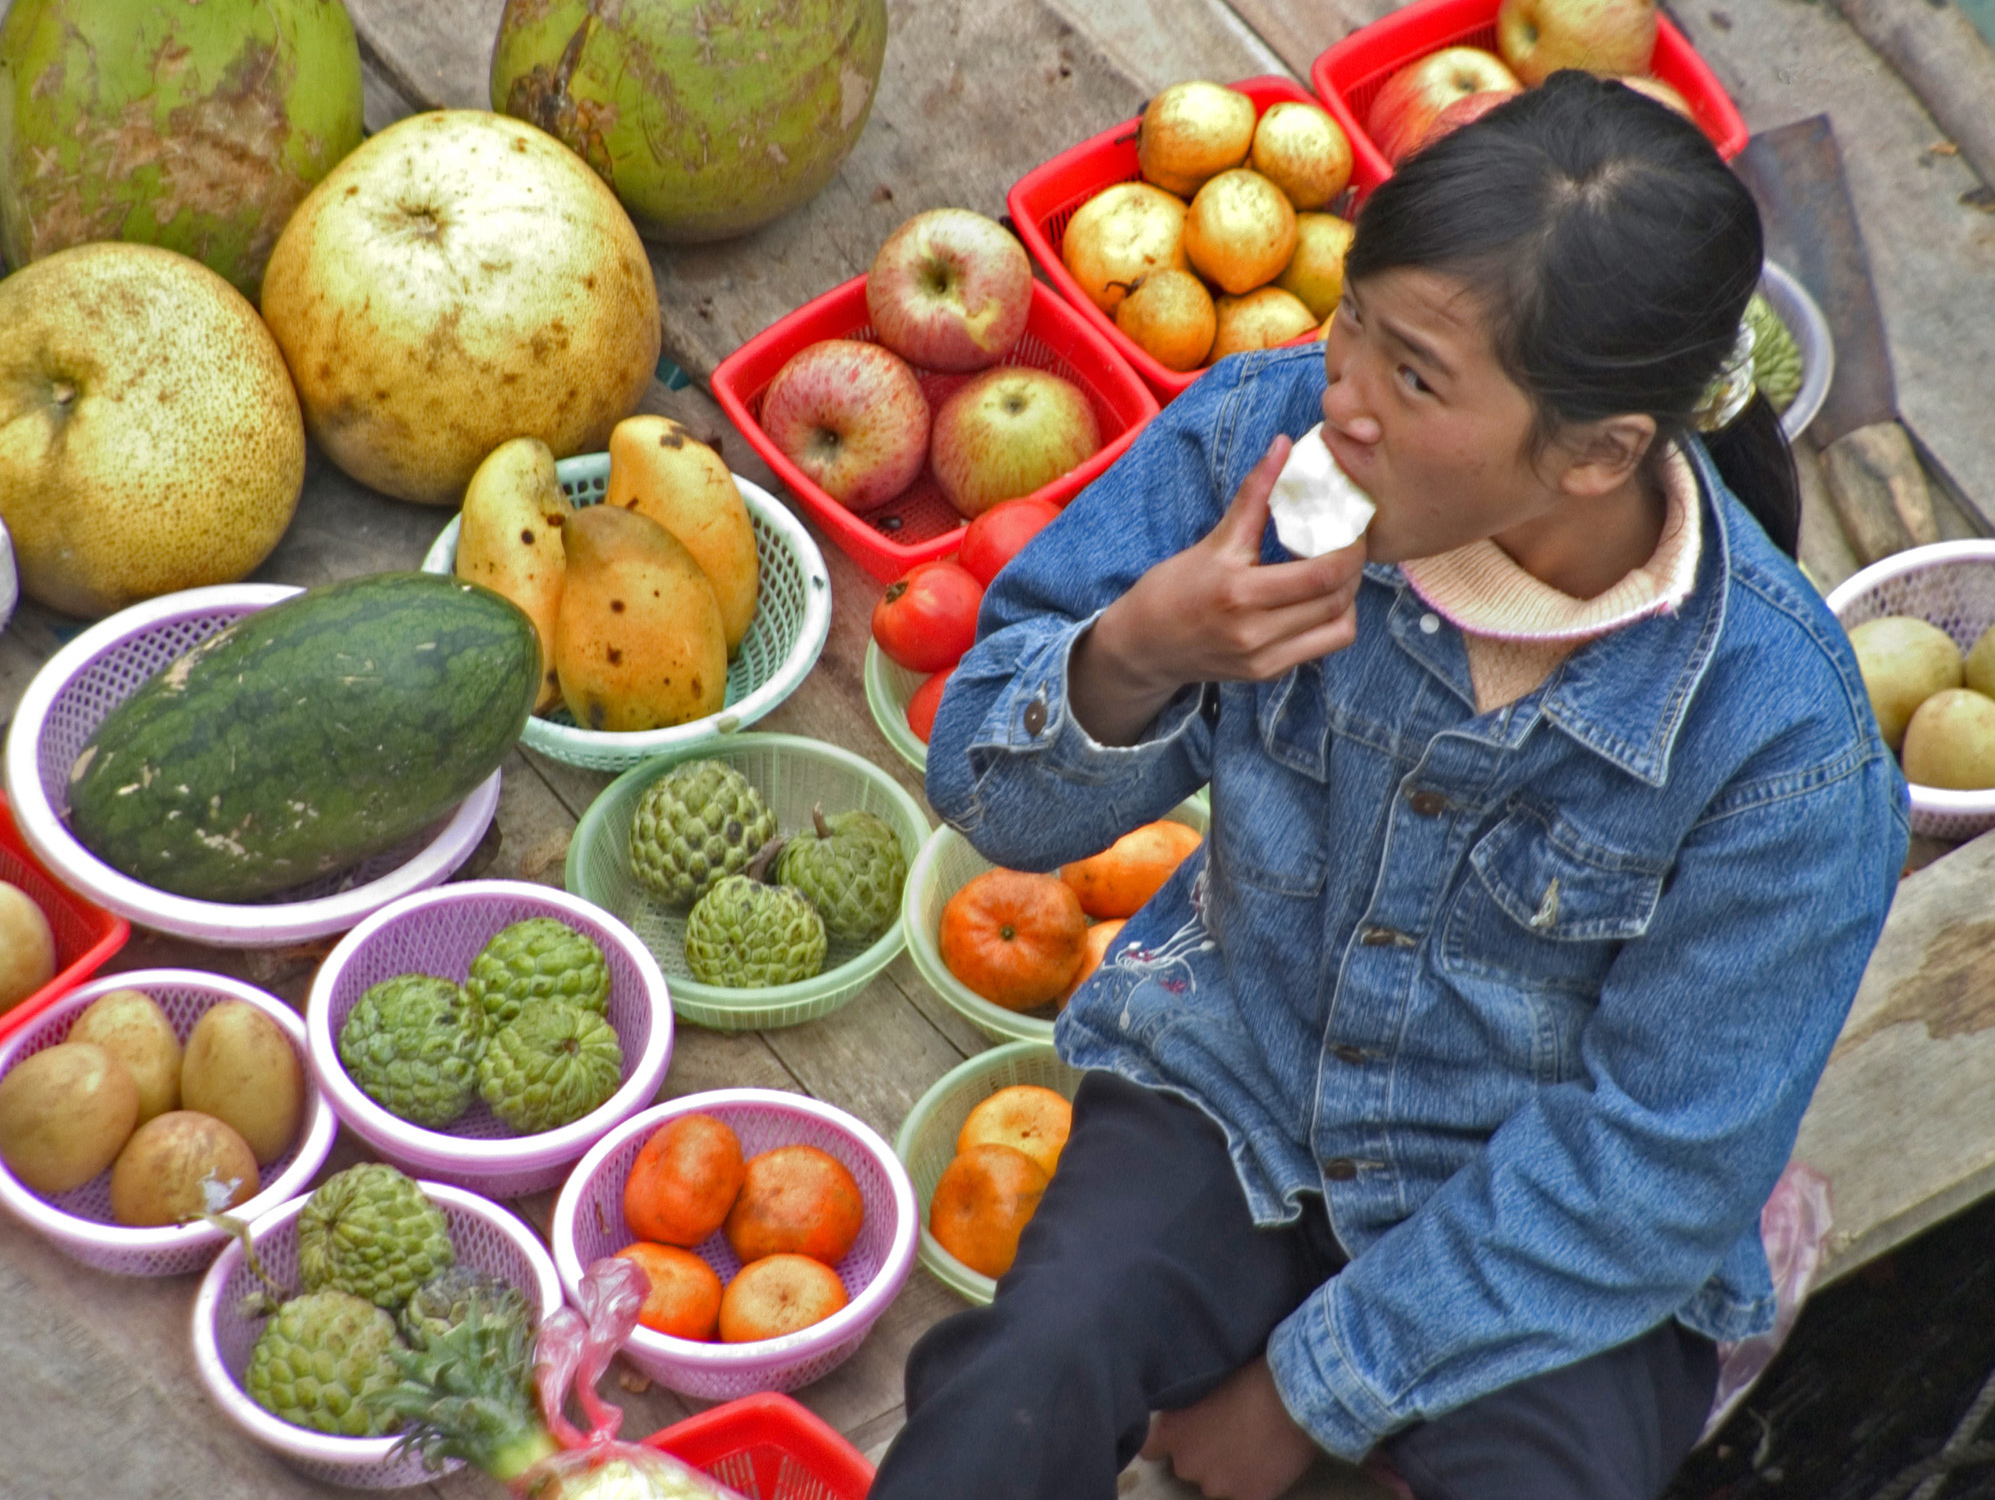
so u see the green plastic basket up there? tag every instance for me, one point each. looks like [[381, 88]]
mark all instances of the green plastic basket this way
[[784, 641], [793, 775], [926, 1141], [947, 862], [889, 686]]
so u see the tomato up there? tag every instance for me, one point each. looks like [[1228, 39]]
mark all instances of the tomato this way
[[927, 618], [993, 539], [921, 707]]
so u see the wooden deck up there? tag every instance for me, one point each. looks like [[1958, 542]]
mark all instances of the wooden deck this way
[[98, 1395]]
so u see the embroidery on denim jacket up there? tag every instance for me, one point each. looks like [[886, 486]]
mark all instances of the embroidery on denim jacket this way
[[1167, 964]]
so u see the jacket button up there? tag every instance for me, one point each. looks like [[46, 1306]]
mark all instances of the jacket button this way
[[1340, 1169], [1428, 803], [1380, 937], [1035, 716], [1209, 706], [1347, 1053]]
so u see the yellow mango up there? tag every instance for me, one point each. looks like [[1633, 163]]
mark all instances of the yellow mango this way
[[509, 539], [638, 642], [660, 470]]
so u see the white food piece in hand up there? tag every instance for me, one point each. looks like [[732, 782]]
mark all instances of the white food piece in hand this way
[[1315, 506]]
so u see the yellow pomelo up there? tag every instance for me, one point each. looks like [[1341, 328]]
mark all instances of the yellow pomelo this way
[[1950, 742], [1904, 661]]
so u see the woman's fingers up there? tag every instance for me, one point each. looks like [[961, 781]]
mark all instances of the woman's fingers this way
[[1239, 530]]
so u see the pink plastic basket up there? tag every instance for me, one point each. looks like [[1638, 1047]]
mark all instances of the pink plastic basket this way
[[439, 932], [79, 1222], [69, 697], [485, 1236], [589, 1224], [919, 525], [85, 935]]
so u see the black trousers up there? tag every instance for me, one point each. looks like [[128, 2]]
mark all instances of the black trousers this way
[[1142, 1283]]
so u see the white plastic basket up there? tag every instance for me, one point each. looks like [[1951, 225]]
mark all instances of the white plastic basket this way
[[70, 696], [79, 1222], [439, 932], [792, 620], [484, 1235], [589, 1224], [1810, 328], [1951, 585]]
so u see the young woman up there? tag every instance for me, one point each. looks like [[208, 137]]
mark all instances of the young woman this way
[[1432, 1104]]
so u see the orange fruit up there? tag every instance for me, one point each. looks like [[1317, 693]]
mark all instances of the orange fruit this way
[[683, 1181], [1117, 881], [1012, 937], [982, 1202], [796, 1200], [1100, 937], [778, 1294], [1027, 1118], [684, 1299]]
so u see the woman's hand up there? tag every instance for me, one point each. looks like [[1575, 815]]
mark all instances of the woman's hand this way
[[1239, 1443], [1213, 613]]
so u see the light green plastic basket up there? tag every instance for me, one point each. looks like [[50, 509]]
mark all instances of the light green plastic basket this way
[[946, 864], [889, 686], [784, 641], [926, 1141], [793, 775]]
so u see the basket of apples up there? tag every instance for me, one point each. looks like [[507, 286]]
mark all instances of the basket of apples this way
[[909, 400]]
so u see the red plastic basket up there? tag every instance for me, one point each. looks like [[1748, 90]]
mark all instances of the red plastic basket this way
[[769, 1448], [919, 525], [1044, 200], [1349, 75], [85, 935]]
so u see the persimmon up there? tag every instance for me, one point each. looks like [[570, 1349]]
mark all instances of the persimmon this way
[[1014, 938], [778, 1294], [684, 1300], [1117, 881], [796, 1200], [683, 1181], [982, 1203], [1024, 1116], [1100, 937]]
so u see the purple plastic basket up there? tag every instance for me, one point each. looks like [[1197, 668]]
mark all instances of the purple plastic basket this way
[[485, 1236], [79, 1222], [439, 932], [588, 1224], [69, 697]]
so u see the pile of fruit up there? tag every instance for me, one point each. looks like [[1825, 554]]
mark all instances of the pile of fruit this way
[[948, 294], [762, 910], [1006, 1153], [527, 1031], [1022, 940], [1934, 706], [27, 946], [183, 1130], [789, 1215], [1226, 242]]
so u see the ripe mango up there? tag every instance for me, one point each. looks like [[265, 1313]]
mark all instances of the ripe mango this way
[[509, 539]]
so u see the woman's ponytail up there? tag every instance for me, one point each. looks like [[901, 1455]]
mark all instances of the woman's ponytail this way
[[1752, 457]]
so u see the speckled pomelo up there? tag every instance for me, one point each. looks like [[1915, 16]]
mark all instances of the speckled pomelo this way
[[149, 436]]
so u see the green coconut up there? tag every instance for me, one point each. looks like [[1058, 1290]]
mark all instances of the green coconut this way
[[196, 125], [707, 117]]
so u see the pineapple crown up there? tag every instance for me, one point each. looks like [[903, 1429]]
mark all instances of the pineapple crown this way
[[469, 1392]]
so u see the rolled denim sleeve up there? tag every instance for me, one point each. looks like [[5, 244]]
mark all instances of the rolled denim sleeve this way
[[1708, 1040]]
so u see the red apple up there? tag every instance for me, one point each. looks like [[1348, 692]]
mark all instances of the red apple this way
[[1007, 432], [994, 538], [850, 415], [1461, 111], [1409, 100], [949, 290], [1538, 37]]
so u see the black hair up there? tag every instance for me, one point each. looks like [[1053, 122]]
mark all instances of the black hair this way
[[1615, 252]]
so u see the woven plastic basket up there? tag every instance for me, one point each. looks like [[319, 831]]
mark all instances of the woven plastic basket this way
[[439, 932], [1951, 585], [889, 687], [794, 775], [784, 641], [926, 1141], [85, 934], [485, 1236], [69, 697], [589, 1224], [1804, 319], [768, 1447], [79, 1222], [946, 864]]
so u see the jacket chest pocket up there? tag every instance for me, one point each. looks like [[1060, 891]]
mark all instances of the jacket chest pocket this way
[[1269, 794]]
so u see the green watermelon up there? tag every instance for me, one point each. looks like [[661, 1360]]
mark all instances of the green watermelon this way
[[308, 736]]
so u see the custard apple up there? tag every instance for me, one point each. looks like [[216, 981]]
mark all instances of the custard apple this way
[[699, 821], [1777, 362], [747, 935], [540, 958], [412, 1044], [371, 1231], [441, 1302], [550, 1067], [852, 868], [319, 1359]]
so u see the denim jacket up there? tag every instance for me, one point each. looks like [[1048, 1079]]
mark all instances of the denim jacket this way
[[1533, 998]]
